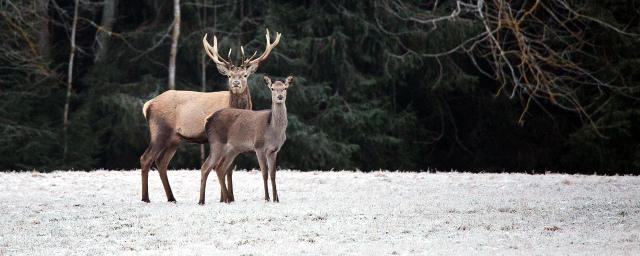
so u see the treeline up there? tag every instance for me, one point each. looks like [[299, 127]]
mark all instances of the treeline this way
[[379, 84]]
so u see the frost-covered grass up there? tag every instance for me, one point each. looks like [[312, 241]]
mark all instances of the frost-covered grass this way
[[95, 213]]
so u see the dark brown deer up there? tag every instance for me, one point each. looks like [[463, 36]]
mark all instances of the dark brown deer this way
[[233, 131], [174, 116]]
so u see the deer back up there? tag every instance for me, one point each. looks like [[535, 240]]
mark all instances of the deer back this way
[[242, 128], [185, 112]]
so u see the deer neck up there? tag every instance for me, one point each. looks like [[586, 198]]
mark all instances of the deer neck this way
[[278, 115], [241, 100]]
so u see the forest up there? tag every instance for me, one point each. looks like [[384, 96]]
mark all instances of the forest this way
[[472, 85]]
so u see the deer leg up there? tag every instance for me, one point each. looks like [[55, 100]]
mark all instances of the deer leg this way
[[223, 168], [271, 162], [163, 163], [146, 160], [204, 173], [223, 186], [212, 162], [223, 189], [262, 161], [145, 164], [230, 183]]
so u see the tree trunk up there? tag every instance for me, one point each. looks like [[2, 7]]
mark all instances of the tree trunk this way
[[203, 70], [203, 83], [42, 10], [72, 53], [104, 31], [174, 44]]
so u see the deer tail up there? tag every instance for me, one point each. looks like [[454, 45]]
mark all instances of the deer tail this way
[[145, 108]]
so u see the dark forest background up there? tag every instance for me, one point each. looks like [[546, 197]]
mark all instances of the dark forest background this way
[[367, 95]]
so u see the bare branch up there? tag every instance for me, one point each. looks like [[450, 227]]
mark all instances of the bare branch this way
[[536, 49]]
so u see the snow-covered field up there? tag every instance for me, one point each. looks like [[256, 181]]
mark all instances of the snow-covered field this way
[[335, 213]]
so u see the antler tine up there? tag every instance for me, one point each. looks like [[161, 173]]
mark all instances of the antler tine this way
[[212, 51], [207, 48], [269, 46], [242, 51], [254, 54]]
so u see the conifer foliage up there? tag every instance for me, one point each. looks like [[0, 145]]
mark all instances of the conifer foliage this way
[[398, 85]]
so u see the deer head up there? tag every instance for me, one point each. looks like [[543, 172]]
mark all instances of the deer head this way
[[278, 89], [238, 75]]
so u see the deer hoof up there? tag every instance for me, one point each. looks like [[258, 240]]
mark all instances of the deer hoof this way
[[146, 200]]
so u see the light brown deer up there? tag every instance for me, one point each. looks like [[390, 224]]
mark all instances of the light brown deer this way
[[174, 116], [233, 131]]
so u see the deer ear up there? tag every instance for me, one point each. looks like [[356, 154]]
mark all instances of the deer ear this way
[[267, 81], [252, 68], [223, 69], [289, 81]]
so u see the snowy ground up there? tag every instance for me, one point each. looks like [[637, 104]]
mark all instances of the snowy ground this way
[[335, 213]]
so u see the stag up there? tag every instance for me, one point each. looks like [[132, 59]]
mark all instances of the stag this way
[[176, 116], [234, 131]]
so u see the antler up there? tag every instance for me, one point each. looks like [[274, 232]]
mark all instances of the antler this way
[[213, 51], [266, 52]]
